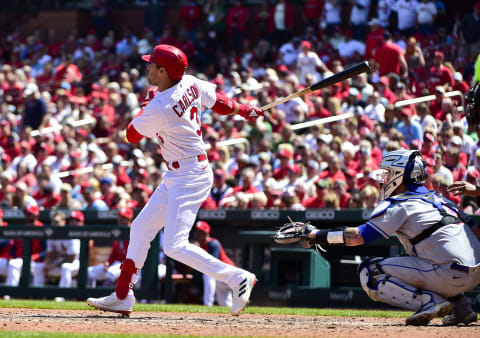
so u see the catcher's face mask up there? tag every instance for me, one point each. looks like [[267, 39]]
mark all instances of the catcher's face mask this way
[[472, 107], [383, 176]]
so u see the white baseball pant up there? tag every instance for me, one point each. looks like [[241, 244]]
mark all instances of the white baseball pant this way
[[174, 204], [98, 272], [14, 271], [66, 272], [214, 289]]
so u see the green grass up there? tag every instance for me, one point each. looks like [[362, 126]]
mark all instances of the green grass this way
[[15, 334], [44, 304]]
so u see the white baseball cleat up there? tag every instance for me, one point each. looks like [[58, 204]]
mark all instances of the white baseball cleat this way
[[113, 304], [425, 316], [241, 293]]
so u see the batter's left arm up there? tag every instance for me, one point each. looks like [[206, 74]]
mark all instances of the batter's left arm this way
[[226, 106]]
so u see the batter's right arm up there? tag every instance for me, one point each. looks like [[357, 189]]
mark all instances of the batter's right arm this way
[[133, 136]]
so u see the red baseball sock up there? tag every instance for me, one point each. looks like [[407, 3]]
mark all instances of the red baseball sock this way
[[124, 282]]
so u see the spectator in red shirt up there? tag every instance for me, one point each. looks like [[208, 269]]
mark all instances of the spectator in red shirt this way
[[436, 105], [67, 72], [282, 171], [319, 111], [119, 171], [440, 75], [106, 190], [334, 170], [313, 11], [46, 79], [340, 189], [273, 194], [45, 196], [428, 149], [190, 17], [365, 159], [237, 20], [2, 223], [110, 270], [389, 57], [374, 37], [452, 162], [281, 21], [383, 87], [321, 189], [459, 84], [246, 186]]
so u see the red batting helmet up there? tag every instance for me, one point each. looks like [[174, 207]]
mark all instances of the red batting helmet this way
[[170, 57]]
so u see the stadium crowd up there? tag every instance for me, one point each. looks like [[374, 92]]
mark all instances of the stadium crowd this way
[[86, 89]]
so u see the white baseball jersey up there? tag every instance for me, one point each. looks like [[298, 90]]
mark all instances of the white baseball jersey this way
[[173, 117], [307, 64], [408, 217], [359, 15]]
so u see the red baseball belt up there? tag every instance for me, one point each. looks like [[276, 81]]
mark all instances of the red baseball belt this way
[[176, 165]]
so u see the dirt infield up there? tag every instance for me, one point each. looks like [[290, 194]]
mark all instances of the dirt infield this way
[[205, 324]]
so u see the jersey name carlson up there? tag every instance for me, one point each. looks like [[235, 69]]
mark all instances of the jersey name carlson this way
[[186, 100]]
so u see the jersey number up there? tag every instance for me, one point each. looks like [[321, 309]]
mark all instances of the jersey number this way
[[194, 115]]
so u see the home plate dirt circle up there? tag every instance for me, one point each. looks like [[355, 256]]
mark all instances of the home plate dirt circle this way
[[210, 324]]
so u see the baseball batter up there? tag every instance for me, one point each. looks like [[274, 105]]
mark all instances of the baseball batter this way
[[172, 116], [444, 254]]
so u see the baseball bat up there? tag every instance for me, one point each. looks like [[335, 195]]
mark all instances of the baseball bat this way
[[350, 72]]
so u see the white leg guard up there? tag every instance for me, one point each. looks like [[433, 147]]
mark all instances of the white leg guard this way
[[387, 289]]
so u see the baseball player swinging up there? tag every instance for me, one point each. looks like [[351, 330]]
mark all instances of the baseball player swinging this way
[[171, 114], [444, 254]]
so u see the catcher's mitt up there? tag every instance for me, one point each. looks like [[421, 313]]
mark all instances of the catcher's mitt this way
[[294, 232]]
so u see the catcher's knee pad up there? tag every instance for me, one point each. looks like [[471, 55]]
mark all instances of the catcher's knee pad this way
[[387, 289]]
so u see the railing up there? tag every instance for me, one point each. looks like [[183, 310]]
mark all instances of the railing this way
[[232, 142], [430, 98], [109, 166], [53, 129], [324, 120]]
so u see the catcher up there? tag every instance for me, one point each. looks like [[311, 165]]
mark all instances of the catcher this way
[[444, 254]]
